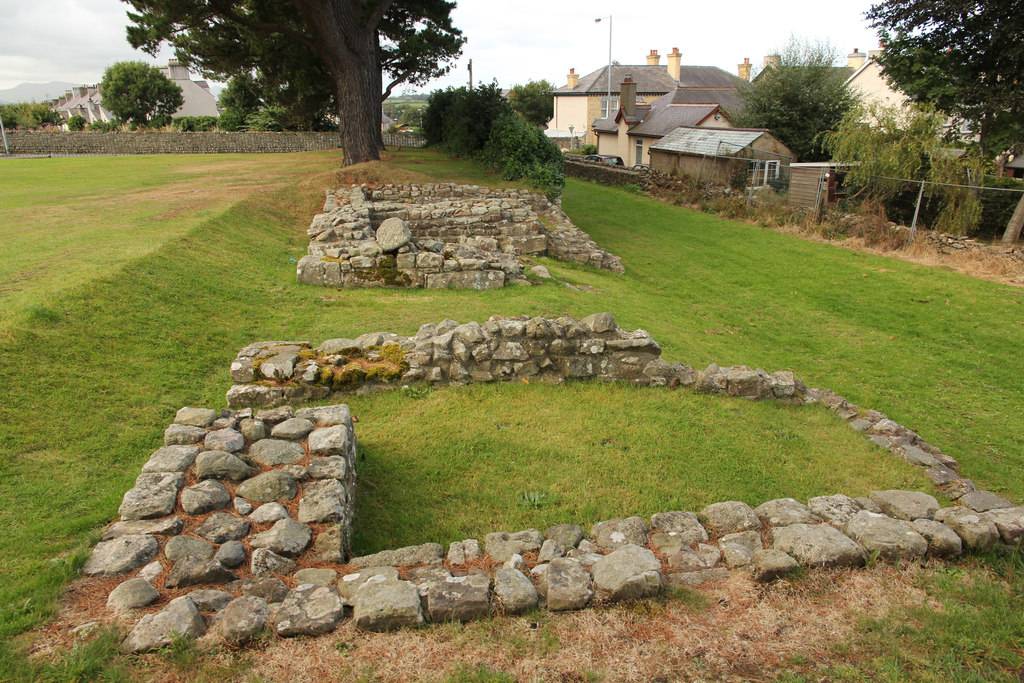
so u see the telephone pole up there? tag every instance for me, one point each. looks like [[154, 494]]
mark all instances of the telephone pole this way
[[470, 67]]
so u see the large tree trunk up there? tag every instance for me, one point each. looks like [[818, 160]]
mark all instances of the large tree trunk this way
[[346, 36], [1016, 224]]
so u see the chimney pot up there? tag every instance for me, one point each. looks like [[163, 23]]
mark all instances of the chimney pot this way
[[653, 58]]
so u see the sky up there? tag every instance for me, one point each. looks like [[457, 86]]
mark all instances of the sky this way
[[512, 42]]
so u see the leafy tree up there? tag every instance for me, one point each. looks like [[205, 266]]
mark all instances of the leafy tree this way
[[533, 101], [885, 146], [318, 53], [76, 122], [461, 119], [239, 100], [800, 99], [139, 94], [964, 57]]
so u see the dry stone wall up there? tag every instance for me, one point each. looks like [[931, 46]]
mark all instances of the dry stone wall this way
[[240, 524], [438, 237], [198, 142], [501, 349]]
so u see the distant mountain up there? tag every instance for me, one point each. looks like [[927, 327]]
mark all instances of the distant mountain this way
[[35, 92]]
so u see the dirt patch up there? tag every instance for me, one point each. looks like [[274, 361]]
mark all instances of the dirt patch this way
[[734, 630]]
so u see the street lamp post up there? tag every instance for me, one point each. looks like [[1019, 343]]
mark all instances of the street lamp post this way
[[3, 134], [598, 21]]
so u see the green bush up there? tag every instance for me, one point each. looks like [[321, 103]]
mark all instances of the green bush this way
[[28, 115], [521, 150], [195, 123], [460, 119], [267, 118], [76, 122], [588, 149], [480, 123], [140, 94], [104, 126]]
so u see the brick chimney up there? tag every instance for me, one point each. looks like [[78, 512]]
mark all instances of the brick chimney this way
[[653, 58], [856, 59], [627, 96], [772, 60], [674, 61], [573, 79], [744, 69]]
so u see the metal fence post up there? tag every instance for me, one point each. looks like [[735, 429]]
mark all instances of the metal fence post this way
[[917, 211]]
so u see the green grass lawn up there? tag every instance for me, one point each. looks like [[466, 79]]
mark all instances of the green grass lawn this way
[[64, 222], [95, 363]]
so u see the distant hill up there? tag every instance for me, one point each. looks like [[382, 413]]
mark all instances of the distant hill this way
[[34, 92]]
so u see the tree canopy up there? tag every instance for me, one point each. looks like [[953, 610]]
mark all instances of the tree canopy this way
[[310, 55], [800, 99], [533, 101], [964, 57], [139, 94]]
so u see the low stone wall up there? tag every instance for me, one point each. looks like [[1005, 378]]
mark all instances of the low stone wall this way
[[301, 582], [603, 173], [438, 236], [502, 349], [204, 142], [241, 523]]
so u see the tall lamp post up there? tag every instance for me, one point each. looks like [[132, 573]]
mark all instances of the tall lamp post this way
[[598, 21], [3, 134]]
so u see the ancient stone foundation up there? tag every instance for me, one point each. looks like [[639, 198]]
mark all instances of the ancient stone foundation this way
[[239, 525], [439, 236], [501, 349]]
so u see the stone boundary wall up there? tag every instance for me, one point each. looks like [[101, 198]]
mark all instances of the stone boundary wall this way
[[603, 173], [502, 349], [199, 142], [439, 236]]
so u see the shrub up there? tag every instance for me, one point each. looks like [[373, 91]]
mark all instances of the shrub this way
[[267, 118], [104, 126], [28, 115], [588, 149], [520, 150], [76, 122], [460, 119], [480, 123], [195, 123]]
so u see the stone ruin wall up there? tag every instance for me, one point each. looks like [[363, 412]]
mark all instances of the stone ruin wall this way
[[240, 523], [439, 236], [502, 349]]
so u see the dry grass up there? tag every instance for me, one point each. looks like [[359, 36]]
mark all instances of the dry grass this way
[[734, 630]]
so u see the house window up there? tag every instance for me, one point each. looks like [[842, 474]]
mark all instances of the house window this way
[[638, 152], [609, 106], [763, 171]]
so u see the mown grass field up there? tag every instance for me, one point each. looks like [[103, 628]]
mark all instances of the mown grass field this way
[[94, 364]]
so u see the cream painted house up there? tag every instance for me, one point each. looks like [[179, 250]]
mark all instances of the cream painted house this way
[[635, 127], [584, 100], [868, 82]]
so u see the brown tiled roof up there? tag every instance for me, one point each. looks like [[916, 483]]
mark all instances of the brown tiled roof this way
[[682, 106], [651, 79]]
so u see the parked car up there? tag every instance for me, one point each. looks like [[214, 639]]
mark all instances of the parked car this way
[[609, 159], [641, 167]]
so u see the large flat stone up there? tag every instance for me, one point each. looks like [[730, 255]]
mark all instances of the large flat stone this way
[[459, 598], [176, 458], [817, 545], [513, 592], [387, 605], [268, 486], [615, 533], [120, 555], [567, 585], [628, 573], [502, 545], [730, 517], [975, 529], [154, 495], [892, 539], [906, 505], [308, 610], [783, 512], [1009, 522]]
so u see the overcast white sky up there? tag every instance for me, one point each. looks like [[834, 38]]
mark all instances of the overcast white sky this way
[[74, 40]]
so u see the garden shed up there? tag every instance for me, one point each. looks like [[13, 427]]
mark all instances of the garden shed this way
[[728, 156]]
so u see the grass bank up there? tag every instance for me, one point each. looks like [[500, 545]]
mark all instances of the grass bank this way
[[95, 369]]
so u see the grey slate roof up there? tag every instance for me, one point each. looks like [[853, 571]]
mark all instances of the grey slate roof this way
[[683, 106], [651, 79], [709, 141]]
